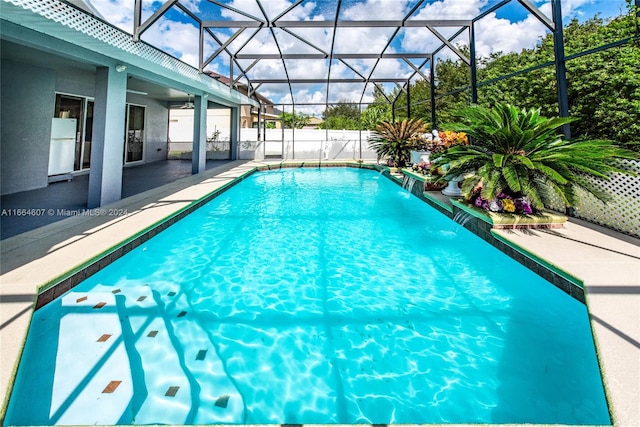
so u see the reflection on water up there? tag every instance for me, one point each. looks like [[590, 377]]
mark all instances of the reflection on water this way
[[283, 301]]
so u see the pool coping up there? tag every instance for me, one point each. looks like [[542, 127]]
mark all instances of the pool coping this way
[[235, 172]]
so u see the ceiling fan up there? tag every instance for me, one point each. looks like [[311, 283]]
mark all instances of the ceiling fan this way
[[188, 104]]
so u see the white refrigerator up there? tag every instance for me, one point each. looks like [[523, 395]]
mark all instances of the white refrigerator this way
[[62, 147]]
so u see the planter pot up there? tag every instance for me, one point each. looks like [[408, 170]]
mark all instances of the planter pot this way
[[453, 188], [433, 186], [503, 220], [420, 156]]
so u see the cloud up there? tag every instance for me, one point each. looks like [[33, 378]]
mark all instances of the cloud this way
[[272, 8], [500, 35], [116, 12], [495, 34], [176, 38], [305, 96], [376, 9]]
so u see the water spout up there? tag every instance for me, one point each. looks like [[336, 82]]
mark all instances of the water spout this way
[[408, 182], [462, 217]]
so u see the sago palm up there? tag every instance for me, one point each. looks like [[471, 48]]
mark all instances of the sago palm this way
[[395, 139], [520, 152]]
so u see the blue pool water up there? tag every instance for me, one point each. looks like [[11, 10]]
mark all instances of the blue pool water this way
[[311, 296]]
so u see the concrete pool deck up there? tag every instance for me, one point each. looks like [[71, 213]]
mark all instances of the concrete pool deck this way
[[607, 262]]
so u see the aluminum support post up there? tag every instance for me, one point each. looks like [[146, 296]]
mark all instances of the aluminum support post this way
[[561, 70], [432, 84], [472, 55]]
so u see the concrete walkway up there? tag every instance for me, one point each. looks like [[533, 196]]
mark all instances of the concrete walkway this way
[[54, 202], [607, 262]]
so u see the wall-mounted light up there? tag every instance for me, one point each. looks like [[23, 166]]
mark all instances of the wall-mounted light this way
[[120, 68], [205, 96]]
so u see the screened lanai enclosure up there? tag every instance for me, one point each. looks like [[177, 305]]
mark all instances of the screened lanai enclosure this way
[[315, 55], [302, 79], [315, 59]]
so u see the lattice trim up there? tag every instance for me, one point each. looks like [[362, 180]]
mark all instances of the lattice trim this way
[[75, 19], [622, 211]]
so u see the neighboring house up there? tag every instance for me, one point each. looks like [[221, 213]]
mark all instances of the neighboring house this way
[[269, 114], [181, 122], [314, 123]]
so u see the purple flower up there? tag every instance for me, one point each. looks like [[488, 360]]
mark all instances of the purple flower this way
[[523, 205], [479, 202]]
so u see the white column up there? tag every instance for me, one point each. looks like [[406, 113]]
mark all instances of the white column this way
[[107, 147], [199, 156]]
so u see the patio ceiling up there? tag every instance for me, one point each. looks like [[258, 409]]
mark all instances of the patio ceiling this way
[[338, 51]]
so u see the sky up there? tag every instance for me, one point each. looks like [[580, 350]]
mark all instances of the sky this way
[[509, 29]]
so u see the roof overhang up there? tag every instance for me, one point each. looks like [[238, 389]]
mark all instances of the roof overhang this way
[[58, 28]]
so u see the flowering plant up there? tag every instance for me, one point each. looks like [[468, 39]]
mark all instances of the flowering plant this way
[[436, 144], [523, 153], [449, 138], [504, 202], [421, 142], [421, 168]]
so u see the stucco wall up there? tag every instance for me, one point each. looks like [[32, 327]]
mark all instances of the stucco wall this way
[[78, 82], [73, 81], [28, 96], [28, 102]]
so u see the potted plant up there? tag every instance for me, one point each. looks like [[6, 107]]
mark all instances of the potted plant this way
[[421, 148], [520, 156], [396, 139]]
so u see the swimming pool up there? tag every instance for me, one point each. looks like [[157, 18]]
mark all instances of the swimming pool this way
[[282, 301]]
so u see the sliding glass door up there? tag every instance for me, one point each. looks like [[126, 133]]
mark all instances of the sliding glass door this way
[[134, 140]]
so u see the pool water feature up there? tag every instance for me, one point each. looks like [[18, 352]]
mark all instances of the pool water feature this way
[[311, 296]]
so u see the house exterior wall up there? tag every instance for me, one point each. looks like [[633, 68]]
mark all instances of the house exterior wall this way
[[76, 82], [28, 97], [246, 120], [28, 103]]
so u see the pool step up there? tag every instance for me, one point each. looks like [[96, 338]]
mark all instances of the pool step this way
[[121, 356], [179, 376], [75, 357]]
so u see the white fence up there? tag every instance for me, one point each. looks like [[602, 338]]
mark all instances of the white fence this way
[[287, 144], [309, 144]]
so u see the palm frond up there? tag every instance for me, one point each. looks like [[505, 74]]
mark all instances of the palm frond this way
[[522, 151], [512, 178]]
